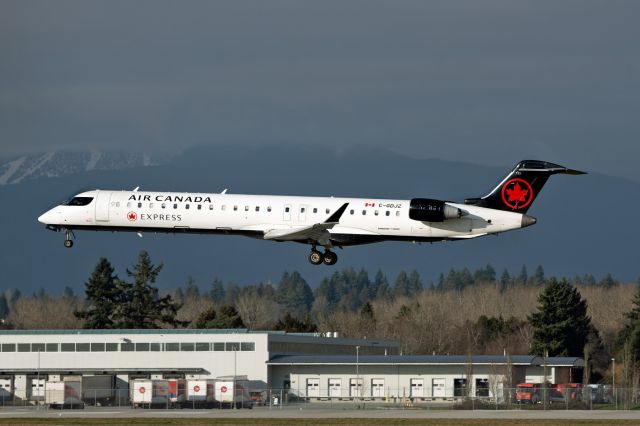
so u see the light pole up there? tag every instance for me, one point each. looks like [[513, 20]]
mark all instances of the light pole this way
[[38, 381], [235, 351], [358, 371], [615, 395]]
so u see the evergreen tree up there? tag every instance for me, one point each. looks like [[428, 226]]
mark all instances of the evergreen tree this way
[[415, 285], [227, 317], [486, 275], [291, 324], [217, 292], [630, 334], [191, 288], [4, 306], [401, 286], [102, 295], [523, 276], [140, 305], [505, 280], [294, 294], [607, 281], [561, 325], [366, 312], [374, 285], [538, 276], [232, 291]]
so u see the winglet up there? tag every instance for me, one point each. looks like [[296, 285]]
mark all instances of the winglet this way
[[335, 217]]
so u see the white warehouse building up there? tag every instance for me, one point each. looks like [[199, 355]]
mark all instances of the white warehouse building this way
[[27, 356], [309, 366]]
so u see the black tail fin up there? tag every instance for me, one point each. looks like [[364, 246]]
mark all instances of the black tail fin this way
[[517, 191]]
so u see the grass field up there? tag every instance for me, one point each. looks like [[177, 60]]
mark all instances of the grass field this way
[[287, 422]]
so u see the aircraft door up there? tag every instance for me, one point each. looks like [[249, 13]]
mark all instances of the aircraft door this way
[[287, 213], [102, 206]]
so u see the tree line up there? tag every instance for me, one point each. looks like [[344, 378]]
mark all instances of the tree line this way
[[463, 312]]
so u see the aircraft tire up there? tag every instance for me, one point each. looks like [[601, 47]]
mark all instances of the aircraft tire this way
[[315, 257], [68, 243], [329, 258]]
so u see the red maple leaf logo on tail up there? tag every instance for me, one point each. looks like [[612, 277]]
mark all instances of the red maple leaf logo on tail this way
[[517, 194]]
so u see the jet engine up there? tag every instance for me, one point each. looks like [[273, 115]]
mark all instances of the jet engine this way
[[428, 210]]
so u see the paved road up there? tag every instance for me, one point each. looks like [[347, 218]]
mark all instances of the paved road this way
[[314, 412]]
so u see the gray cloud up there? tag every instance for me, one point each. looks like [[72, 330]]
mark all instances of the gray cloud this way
[[481, 81]]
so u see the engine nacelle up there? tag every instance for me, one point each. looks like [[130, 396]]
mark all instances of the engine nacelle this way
[[428, 210]]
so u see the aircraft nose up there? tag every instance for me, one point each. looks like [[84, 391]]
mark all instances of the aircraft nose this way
[[45, 218]]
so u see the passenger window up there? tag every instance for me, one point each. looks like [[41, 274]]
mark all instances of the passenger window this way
[[175, 206], [398, 213], [150, 205], [351, 211], [301, 209], [117, 203], [387, 213], [326, 211], [235, 208], [139, 205], [286, 209], [186, 206], [364, 212], [257, 208], [269, 208], [164, 206], [128, 204], [246, 208], [199, 206], [223, 208], [210, 206], [315, 210], [375, 212]]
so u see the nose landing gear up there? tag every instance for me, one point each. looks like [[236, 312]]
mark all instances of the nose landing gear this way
[[68, 242]]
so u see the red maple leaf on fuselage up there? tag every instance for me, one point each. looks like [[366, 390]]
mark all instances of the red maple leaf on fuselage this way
[[517, 194]]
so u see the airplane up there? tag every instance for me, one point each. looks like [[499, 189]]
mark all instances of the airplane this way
[[325, 222]]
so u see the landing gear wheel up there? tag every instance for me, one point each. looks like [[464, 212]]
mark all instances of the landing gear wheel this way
[[68, 243], [315, 257], [329, 258]]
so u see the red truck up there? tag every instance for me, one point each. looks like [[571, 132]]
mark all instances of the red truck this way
[[530, 393]]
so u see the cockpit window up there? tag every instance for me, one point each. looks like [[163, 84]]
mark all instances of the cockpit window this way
[[78, 201]]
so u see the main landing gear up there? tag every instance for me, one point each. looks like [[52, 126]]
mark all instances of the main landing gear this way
[[328, 257]]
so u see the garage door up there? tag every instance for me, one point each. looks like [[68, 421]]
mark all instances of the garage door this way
[[377, 387], [417, 388], [313, 387], [335, 388]]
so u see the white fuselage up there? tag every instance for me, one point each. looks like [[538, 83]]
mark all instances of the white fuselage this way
[[365, 220]]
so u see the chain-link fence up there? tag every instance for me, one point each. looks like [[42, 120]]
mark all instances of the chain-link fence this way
[[523, 397]]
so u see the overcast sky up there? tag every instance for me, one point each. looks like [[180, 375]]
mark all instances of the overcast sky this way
[[487, 82]]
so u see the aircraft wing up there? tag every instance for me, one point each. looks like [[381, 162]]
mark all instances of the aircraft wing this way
[[318, 232]]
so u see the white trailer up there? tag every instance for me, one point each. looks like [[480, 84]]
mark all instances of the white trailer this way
[[200, 393], [64, 394], [230, 391], [149, 392]]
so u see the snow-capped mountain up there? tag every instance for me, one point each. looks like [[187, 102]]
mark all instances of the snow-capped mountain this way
[[60, 163]]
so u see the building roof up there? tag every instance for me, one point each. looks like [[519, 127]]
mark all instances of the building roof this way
[[526, 360]]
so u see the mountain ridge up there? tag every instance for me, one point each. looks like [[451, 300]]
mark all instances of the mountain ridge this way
[[586, 224]]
